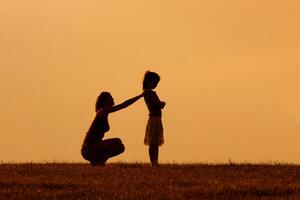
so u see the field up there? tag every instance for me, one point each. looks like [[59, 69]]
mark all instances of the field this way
[[140, 181]]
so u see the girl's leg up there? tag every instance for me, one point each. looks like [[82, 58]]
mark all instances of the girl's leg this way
[[153, 154]]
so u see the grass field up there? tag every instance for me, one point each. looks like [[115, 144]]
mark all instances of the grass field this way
[[140, 181]]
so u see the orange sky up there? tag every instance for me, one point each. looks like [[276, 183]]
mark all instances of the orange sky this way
[[230, 77]]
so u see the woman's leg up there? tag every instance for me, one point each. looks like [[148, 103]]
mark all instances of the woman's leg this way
[[110, 148], [153, 154], [92, 152]]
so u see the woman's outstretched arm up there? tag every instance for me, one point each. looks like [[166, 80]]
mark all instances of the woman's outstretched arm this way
[[125, 104]]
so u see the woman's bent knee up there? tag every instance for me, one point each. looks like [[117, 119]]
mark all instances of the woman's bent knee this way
[[114, 146], [118, 140], [119, 146], [122, 148]]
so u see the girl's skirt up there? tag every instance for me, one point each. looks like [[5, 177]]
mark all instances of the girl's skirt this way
[[154, 132]]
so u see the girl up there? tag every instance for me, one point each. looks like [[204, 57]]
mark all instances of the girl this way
[[154, 129]]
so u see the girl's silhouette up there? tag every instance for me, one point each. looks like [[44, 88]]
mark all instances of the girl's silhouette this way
[[154, 130]]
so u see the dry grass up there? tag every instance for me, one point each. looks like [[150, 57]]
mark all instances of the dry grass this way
[[140, 181]]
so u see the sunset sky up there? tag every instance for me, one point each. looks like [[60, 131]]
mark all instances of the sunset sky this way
[[230, 77]]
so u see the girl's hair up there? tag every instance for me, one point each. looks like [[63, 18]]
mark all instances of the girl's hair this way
[[101, 100], [149, 76]]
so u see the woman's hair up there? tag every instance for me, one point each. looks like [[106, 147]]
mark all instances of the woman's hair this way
[[101, 100], [149, 76]]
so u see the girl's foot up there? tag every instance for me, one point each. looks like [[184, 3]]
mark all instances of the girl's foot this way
[[96, 163]]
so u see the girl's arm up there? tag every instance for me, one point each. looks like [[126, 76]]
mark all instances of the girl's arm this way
[[152, 100], [123, 105]]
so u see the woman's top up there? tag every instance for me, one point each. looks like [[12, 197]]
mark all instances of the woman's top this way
[[96, 132], [153, 103]]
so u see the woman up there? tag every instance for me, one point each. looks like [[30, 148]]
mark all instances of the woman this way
[[94, 148]]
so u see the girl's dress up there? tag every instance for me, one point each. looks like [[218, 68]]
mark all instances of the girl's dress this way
[[154, 132]]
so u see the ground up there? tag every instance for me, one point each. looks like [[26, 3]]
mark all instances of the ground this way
[[140, 181]]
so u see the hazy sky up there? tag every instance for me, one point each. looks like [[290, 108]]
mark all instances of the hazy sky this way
[[230, 75]]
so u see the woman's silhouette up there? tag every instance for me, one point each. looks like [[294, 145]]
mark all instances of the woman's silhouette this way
[[94, 148]]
